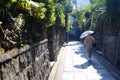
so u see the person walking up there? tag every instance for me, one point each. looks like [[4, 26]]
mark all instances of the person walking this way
[[89, 40]]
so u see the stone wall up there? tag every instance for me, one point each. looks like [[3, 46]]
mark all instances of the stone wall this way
[[110, 48], [108, 44], [27, 63], [99, 38], [56, 37]]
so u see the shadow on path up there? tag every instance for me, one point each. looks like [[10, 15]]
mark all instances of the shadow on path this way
[[76, 67], [84, 65]]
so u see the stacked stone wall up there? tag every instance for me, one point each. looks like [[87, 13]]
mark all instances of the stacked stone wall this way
[[110, 48], [27, 63]]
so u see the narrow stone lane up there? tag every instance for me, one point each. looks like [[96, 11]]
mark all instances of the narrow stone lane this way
[[73, 65]]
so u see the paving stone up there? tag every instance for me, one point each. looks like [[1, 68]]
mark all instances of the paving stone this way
[[79, 76], [67, 76], [76, 66]]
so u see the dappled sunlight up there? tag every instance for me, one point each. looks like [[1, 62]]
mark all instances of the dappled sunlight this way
[[87, 68], [92, 73], [77, 67]]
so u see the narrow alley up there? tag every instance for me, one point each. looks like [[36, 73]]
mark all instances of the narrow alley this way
[[43, 39], [72, 64]]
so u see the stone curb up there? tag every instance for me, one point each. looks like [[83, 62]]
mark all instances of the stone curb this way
[[55, 65], [111, 69]]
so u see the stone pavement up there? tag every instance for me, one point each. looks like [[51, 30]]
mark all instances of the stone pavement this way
[[72, 64]]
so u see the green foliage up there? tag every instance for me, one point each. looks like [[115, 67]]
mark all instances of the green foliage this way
[[2, 50], [50, 13], [25, 6], [60, 17], [87, 17], [68, 7], [109, 16], [80, 18], [60, 1], [0, 22], [5, 2], [113, 8], [96, 5], [113, 11], [22, 5], [39, 12], [19, 22], [14, 14], [94, 9], [68, 22], [24, 22]]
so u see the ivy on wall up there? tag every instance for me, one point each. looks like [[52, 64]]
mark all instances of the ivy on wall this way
[[22, 18]]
